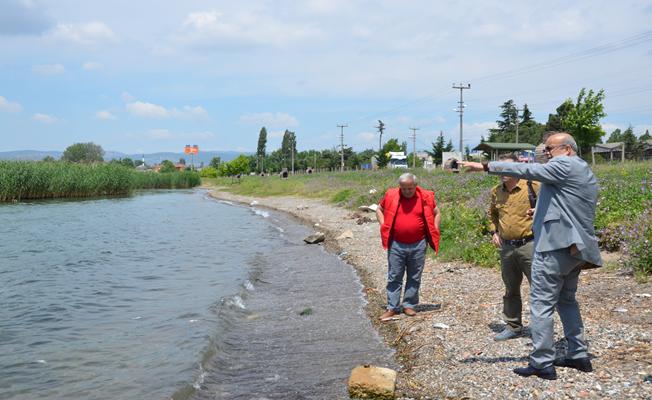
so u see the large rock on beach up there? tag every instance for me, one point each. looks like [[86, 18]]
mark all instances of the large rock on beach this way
[[315, 238], [370, 382]]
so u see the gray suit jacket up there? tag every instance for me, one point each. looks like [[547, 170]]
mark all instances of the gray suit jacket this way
[[565, 210]]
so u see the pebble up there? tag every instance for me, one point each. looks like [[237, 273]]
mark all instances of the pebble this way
[[439, 325]]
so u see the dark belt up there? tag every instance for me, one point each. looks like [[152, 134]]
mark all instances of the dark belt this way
[[519, 242]]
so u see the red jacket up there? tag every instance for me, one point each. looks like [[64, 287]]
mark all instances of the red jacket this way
[[428, 200]]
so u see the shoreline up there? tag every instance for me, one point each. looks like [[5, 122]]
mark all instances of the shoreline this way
[[447, 350]]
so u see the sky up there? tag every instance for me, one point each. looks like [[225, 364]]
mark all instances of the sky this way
[[146, 76]]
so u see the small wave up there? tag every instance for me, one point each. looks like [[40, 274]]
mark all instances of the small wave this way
[[200, 378], [192, 321], [226, 202], [278, 228], [41, 361], [236, 301], [262, 213], [249, 286]]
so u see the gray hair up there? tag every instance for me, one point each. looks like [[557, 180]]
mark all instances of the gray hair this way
[[569, 141], [407, 177]]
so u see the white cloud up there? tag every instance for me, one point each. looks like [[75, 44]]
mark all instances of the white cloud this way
[[92, 66], [214, 29], [150, 110], [472, 133], [368, 137], [189, 112], [8, 106], [44, 118], [147, 110], [90, 33], [49, 69], [104, 115], [268, 119], [127, 97], [610, 127]]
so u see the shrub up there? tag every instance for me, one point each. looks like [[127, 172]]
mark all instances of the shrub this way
[[208, 172]]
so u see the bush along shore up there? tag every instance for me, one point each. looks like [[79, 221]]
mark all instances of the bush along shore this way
[[28, 180], [622, 219]]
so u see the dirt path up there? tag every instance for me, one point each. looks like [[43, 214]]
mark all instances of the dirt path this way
[[447, 350]]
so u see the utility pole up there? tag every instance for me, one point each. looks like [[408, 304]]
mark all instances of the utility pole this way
[[342, 145], [517, 111], [414, 147], [381, 128], [460, 109]]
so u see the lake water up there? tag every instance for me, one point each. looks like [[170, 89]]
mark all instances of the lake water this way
[[171, 294]]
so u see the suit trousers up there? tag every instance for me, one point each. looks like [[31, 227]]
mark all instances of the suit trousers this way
[[404, 259], [555, 275], [515, 262]]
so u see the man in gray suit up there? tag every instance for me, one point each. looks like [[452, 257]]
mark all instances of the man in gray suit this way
[[564, 243]]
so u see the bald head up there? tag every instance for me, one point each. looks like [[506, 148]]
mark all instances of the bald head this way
[[560, 144]]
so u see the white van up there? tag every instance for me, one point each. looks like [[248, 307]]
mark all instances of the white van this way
[[397, 159]]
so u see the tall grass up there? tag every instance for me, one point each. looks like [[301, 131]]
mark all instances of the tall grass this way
[[622, 215], [23, 180]]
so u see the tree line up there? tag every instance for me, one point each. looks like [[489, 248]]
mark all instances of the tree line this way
[[580, 117]]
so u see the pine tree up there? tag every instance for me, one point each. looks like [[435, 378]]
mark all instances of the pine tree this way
[[526, 117], [288, 147], [260, 152], [438, 148]]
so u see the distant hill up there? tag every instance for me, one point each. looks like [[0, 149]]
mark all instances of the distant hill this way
[[151, 158]]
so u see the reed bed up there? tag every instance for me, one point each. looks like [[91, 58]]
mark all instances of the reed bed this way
[[25, 180]]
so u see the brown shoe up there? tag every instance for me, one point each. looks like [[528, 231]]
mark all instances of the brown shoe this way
[[387, 315], [409, 312]]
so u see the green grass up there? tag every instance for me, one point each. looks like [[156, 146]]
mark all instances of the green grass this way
[[24, 180], [625, 196]]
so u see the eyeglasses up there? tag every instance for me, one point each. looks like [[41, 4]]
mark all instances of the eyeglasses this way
[[549, 149]]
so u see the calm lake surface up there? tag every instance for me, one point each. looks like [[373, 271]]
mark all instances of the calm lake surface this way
[[171, 294]]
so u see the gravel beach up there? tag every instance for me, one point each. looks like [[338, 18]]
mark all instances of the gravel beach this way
[[448, 351]]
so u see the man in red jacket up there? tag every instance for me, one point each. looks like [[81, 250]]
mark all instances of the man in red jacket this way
[[409, 222]]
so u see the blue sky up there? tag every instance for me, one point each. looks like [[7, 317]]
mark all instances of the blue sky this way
[[145, 76]]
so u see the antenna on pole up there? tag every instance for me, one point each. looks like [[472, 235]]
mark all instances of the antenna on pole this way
[[342, 145], [414, 147], [460, 109], [381, 129]]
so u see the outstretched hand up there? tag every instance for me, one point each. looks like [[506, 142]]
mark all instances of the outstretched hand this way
[[470, 166]]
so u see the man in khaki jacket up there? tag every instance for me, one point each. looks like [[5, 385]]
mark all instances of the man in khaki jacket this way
[[510, 212]]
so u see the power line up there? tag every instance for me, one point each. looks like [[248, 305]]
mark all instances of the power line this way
[[342, 145], [460, 109], [414, 147]]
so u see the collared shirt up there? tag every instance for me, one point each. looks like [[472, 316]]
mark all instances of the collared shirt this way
[[508, 210]]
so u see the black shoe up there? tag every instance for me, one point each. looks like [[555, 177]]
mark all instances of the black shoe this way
[[545, 373], [581, 364]]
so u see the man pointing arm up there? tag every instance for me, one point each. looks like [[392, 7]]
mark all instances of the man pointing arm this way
[[564, 243]]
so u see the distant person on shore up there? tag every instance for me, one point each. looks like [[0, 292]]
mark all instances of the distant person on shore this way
[[409, 222], [510, 213], [564, 242]]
